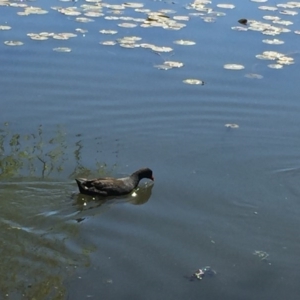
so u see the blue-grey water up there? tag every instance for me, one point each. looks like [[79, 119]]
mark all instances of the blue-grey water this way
[[223, 197]]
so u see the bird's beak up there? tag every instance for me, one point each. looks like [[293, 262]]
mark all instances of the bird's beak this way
[[152, 178]]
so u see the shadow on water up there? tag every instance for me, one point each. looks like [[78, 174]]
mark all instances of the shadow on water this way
[[39, 216]]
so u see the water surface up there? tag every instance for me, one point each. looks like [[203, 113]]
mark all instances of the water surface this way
[[219, 195]]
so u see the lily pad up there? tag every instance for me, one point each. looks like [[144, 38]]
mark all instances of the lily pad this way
[[84, 20], [13, 43], [62, 49], [133, 4], [93, 14], [103, 31], [273, 42], [184, 42], [108, 43], [228, 6], [161, 49], [235, 67], [193, 81], [275, 66], [5, 27], [270, 8], [127, 25]]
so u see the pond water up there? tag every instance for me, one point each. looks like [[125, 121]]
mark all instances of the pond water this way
[[225, 152]]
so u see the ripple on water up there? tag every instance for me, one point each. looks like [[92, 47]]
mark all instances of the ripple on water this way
[[37, 239]]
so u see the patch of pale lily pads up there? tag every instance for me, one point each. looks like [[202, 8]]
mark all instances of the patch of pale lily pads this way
[[111, 18], [283, 22], [69, 11], [80, 30], [13, 43], [167, 65], [273, 42], [133, 4], [13, 4], [235, 67], [38, 37], [193, 81], [275, 66], [5, 27], [167, 11], [286, 60], [93, 14], [271, 18], [228, 6], [165, 19], [208, 19], [163, 67], [270, 55], [108, 43], [84, 20], [60, 37], [181, 18], [104, 31], [129, 45], [184, 42], [289, 5], [45, 35], [127, 25], [62, 49], [281, 59], [239, 28], [288, 12], [31, 10], [270, 8]]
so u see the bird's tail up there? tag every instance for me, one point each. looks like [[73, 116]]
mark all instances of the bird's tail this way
[[80, 186]]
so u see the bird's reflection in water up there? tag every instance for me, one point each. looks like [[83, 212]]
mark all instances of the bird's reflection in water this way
[[85, 203]]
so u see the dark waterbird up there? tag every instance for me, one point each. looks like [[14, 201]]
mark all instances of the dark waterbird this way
[[108, 186]]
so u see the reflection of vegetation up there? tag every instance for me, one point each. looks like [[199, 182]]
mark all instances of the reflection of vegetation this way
[[35, 156], [30, 152], [37, 227], [39, 234], [35, 240]]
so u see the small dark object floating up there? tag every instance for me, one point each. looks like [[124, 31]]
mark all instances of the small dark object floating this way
[[109, 186], [243, 21], [200, 273]]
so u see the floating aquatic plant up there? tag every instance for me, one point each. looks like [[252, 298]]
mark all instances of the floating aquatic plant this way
[[5, 27], [228, 6], [13, 43], [108, 43], [273, 42], [104, 31], [193, 81], [235, 67], [275, 66], [62, 49], [184, 42], [167, 65]]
